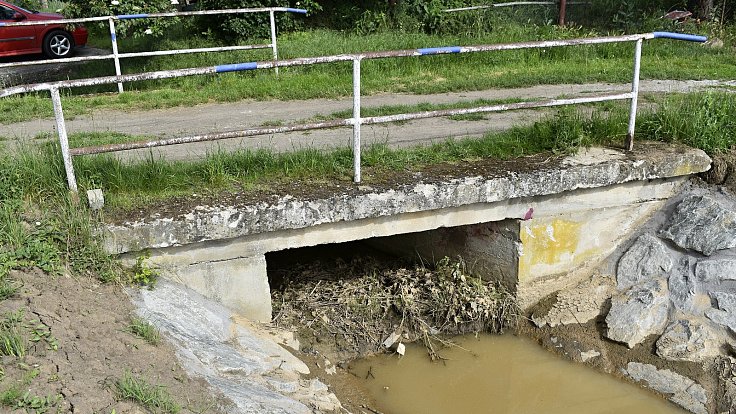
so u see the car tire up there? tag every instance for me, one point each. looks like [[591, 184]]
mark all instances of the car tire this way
[[58, 44]]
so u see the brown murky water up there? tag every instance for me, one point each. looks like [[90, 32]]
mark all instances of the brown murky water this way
[[500, 374]]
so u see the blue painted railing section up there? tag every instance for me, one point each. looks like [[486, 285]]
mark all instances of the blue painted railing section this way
[[680, 36]]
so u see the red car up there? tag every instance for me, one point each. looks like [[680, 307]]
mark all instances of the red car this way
[[54, 40]]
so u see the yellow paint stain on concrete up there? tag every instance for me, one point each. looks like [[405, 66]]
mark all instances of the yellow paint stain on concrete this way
[[548, 243]]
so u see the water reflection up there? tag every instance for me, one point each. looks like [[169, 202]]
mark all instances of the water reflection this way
[[501, 374]]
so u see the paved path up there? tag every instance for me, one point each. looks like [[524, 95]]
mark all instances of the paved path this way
[[220, 117]]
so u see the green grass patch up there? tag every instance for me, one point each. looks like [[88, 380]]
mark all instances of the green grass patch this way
[[142, 328], [152, 397]]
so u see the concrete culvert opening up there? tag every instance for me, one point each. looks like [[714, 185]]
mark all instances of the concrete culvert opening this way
[[355, 299]]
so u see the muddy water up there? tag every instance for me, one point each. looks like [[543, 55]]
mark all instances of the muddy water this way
[[500, 374]]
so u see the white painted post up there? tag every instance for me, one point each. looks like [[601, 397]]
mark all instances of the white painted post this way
[[273, 40], [115, 54], [356, 119], [629, 145], [63, 140]]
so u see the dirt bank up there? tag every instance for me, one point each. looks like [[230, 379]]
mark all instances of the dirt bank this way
[[78, 344]]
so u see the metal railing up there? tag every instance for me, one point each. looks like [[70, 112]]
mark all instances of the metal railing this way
[[356, 121], [116, 55]]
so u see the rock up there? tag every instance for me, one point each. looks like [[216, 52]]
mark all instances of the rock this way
[[716, 270], [679, 389], [584, 356], [249, 368], [96, 199], [702, 224], [682, 286], [687, 340], [639, 312], [646, 258], [579, 304], [725, 314]]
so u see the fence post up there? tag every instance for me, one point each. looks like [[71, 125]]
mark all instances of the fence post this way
[[114, 40], [629, 145], [356, 119], [563, 12], [273, 39], [63, 140]]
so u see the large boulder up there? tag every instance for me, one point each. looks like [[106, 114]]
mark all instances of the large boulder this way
[[717, 270], [679, 389], [702, 224], [646, 258], [638, 312], [688, 340]]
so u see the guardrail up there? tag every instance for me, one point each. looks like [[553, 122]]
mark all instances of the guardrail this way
[[116, 55], [356, 121]]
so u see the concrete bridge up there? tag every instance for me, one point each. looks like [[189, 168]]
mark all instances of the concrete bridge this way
[[537, 224]]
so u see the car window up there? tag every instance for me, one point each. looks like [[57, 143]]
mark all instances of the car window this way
[[6, 13]]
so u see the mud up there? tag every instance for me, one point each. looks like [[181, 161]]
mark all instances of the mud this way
[[89, 324]]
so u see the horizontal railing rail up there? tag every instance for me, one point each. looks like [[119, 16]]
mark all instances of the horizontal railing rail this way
[[356, 121], [116, 55]]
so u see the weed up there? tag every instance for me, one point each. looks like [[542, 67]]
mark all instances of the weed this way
[[9, 397], [142, 273], [38, 404], [141, 327], [152, 397], [40, 332], [12, 341]]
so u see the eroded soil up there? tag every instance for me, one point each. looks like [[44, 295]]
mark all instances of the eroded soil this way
[[88, 325]]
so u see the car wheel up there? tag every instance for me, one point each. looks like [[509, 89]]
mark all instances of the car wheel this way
[[58, 44]]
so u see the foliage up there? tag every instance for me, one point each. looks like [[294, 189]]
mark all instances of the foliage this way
[[152, 397], [253, 25], [143, 274], [41, 225], [144, 329], [131, 27]]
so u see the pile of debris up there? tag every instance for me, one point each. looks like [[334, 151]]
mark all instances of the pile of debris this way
[[364, 305]]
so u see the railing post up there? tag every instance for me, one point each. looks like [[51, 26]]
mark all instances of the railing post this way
[[63, 140], [115, 54], [356, 119], [629, 145], [273, 39]]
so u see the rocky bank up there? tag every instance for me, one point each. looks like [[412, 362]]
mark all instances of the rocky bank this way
[[662, 311]]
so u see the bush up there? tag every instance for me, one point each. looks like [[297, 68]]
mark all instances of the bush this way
[[252, 25], [135, 27]]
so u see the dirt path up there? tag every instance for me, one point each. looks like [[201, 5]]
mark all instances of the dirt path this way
[[220, 117]]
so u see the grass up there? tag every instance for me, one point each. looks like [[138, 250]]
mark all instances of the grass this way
[[663, 59], [153, 397], [142, 328], [12, 341]]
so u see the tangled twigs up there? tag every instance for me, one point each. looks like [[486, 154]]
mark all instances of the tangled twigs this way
[[365, 306]]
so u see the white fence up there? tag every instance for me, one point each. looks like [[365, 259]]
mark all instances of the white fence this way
[[356, 121], [116, 56]]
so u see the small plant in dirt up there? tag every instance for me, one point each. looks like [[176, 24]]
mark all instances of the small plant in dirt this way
[[360, 303], [143, 274], [12, 341], [153, 397], [142, 328]]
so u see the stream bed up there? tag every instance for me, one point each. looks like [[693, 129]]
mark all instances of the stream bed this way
[[497, 374]]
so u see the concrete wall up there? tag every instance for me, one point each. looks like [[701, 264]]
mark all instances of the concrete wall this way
[[539, 229]]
